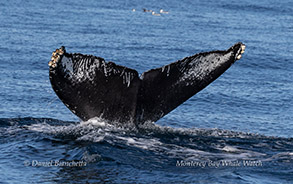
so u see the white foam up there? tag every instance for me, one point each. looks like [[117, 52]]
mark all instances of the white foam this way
[[143, 143], [230, 149], [95, 122], [96, 130], [90, 158], [42, 127]]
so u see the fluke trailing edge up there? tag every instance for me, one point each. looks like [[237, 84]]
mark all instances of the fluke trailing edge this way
[[91, 87]]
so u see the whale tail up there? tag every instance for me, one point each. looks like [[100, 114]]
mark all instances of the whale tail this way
[[91, 87]]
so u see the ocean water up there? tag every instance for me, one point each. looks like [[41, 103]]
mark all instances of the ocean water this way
[[237, 130]]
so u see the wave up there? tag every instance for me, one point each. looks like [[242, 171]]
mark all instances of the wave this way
[[169, 144]]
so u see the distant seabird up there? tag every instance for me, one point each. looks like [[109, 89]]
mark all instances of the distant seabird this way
[[156, 14], [162, 11]]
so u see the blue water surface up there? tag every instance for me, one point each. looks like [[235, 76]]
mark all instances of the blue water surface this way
[[245, 115]]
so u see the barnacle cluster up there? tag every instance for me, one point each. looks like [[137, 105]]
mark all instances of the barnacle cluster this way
[[56, 56]]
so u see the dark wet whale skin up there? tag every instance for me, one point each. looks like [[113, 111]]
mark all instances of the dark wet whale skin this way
[[91, 87]]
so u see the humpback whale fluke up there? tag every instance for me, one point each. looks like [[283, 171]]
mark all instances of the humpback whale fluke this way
[[91, 87]]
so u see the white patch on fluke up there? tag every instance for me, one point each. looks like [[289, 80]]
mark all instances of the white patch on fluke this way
[[200, 68], [67, 65], [127, 78], [86, 72], [168, 70]]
